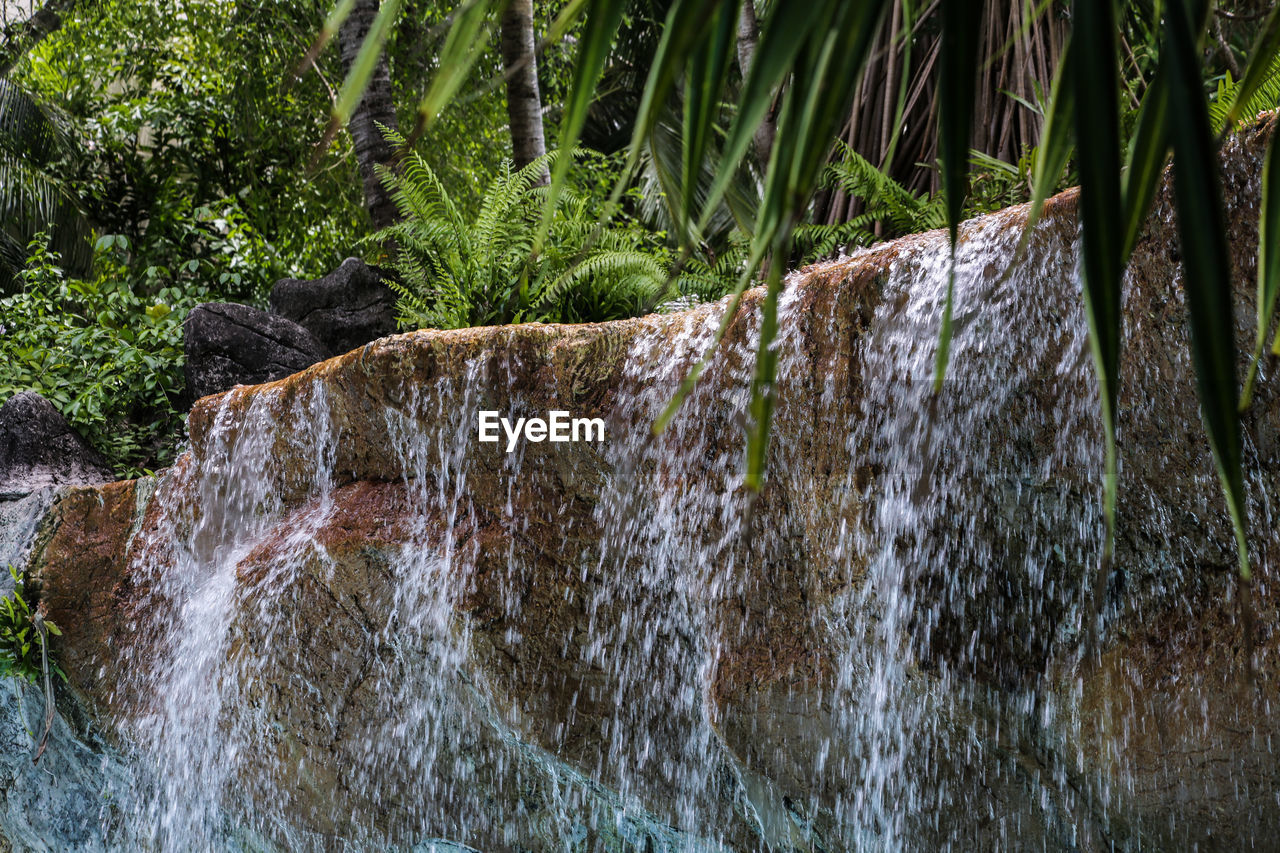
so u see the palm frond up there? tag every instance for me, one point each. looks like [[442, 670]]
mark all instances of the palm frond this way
[[34, 142]]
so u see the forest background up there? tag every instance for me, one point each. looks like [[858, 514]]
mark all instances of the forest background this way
[[156, 154]]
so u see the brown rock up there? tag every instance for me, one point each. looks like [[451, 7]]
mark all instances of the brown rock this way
[[571, 622]]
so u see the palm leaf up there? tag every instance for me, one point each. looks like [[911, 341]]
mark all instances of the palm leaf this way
[[707, 73], [960, 25], [1147, 153], [34, 142], [1268, 262], [602, 22], [1206, 274], [337, 16], [824, 81], [1055, 144], [1094, 67], [362, 67], [775, 58], [463, 45]]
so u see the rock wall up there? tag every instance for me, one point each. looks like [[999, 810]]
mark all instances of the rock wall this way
[[625, 644]]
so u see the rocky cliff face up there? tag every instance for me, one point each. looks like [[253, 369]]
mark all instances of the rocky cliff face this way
[[341, 618]]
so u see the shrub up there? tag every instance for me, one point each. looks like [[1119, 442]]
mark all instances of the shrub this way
[[106, 354]]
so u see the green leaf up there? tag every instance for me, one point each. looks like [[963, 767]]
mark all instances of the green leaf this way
[[1055, 143], [1206, 265], [683, 32], [1265, 50], [1094, 66], [822, 47], [1094, 69], [602, 22], [1268, 262], [785, 32], [726, 320], [707, 73], [362, 68], [462, 47], [564, 21], [1147, 153], [763, 392], [332, 24], [961, 21], [824, 80]]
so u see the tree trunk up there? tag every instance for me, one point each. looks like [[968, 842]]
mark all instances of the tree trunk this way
[[17, 39], [520, 66], [375, 108], [748, 38]]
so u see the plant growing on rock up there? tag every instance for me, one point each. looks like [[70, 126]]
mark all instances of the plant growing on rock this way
[[800, 87], [24, 637]]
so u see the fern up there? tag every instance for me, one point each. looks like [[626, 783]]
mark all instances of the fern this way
[[886, 200], [455, 272], [1267, 97], [704, 280]]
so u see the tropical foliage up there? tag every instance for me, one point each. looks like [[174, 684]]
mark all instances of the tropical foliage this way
[[24, 637], [733, 140], [456, 270], [108, 357], [803, 80], [35, 145]]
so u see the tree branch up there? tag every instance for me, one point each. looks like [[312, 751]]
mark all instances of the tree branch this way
[[17, 39]]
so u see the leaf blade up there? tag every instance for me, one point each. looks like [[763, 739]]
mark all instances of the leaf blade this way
[[960, 39], [1268, 262], [1206, 268]]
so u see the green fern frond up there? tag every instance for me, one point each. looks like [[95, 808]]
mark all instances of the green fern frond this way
[[885, 199], [1266, 97], [456, 271]]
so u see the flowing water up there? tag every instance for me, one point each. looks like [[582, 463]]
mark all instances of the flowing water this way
[[610, 652]]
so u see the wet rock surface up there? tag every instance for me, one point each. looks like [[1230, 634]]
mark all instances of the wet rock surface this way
[[593, 650], [345, 309], [68, 801], [38, 449], [228, 345], [39, 453]]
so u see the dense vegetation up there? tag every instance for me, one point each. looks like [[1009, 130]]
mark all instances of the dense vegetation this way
[[159, 153]]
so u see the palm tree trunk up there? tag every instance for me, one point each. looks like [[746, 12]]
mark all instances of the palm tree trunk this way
[[520, 66], [748, 38], [376, 107]]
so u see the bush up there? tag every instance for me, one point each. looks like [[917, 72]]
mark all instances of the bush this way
[[22, 642], [106, 354]]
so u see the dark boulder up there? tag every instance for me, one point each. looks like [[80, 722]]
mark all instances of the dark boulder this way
[[39, 448], [346, 309], [228, 345]]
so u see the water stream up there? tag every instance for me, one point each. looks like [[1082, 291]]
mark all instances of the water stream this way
[[599, 650]]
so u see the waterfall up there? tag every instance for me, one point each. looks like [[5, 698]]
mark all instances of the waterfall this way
[[353, 626]]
